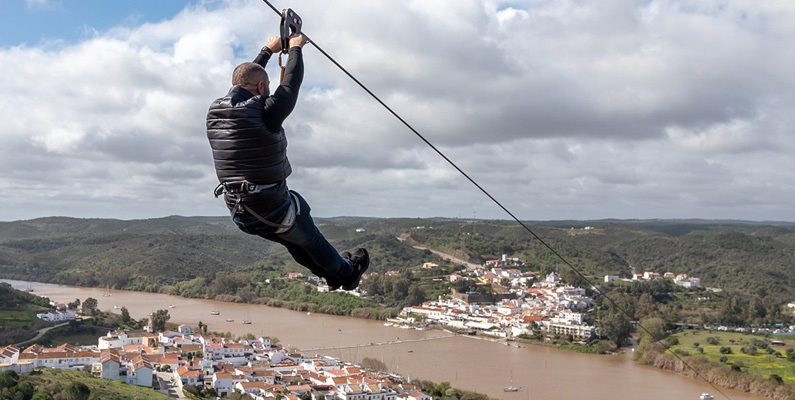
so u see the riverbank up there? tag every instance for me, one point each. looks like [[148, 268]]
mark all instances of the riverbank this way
[[730, 360]]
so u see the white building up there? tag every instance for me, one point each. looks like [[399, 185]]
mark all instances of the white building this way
[[116, 340], [57, 316]]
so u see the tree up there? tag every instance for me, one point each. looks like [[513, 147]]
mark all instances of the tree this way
[[41, 396], [76, 391], [159, 319], [125, 315], [615, 325], [90, 306], [373, 364], [416, 296], [26, 389], [8, 379], [653, 329], [73, 305]]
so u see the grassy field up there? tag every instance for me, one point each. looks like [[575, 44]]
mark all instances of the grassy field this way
[[18, 325], [762, 363], [22, 318], [52, 379]]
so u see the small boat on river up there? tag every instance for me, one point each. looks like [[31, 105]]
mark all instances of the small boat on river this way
[[706, 396], [511, 389], [214, 312]]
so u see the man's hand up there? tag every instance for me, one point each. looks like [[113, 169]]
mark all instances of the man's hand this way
[[297, 39], [275, 44]]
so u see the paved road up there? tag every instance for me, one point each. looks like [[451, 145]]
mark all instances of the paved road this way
[[41, 333], [446, 256], [172, 388]]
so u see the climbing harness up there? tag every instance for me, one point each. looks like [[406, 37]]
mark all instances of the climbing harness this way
[[290, 25], [240, 189]]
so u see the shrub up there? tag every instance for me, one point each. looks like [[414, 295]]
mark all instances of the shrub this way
[[712, 340], [750, 350], [696, 344], [725, 350], [672, 340], [724, 359], [762, 344]]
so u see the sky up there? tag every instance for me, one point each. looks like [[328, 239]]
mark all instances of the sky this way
[[561, 109]]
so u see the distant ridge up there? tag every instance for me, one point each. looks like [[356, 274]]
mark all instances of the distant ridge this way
[[150, 254]]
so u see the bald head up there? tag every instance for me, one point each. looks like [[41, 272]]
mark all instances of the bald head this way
[[250, 76]]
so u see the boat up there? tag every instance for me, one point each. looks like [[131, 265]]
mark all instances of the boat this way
[[706, 396], [230, 320], [214, 312], [247, 321], [115, 307], [511, 388], [170, 306]]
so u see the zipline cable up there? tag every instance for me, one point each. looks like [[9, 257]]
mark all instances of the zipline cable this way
[[493, 199]]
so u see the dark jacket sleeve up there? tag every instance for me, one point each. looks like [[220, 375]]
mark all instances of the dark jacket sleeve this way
[[263, 56], [279, 105]]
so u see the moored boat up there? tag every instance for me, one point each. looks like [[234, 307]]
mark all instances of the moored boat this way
[[706, 396]]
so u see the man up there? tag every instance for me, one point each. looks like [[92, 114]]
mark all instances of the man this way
[[250, 152]]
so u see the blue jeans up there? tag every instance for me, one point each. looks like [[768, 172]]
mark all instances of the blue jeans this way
[[303, 241]]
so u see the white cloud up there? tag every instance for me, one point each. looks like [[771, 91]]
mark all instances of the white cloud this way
[[561, 109]]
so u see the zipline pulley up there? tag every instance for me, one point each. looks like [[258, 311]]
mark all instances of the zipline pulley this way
[[290, 25]]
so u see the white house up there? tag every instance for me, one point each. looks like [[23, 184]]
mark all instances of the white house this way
[[9, 355], [139, 372], [57, 316], [223, 383], [117, 339]]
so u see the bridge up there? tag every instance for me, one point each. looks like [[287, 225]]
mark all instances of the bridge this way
[[373, 344]]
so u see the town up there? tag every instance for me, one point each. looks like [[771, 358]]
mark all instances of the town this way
[[516, 304], [173, 361]]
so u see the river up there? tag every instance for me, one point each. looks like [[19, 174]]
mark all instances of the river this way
[[467, 363]]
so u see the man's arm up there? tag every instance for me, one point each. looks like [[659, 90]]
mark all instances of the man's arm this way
[[273, 45], [279, 105]]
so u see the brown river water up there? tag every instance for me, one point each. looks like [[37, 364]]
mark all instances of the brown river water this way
[[467, 363]]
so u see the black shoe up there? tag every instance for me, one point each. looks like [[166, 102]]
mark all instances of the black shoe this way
[[333, 284], [361, 260]]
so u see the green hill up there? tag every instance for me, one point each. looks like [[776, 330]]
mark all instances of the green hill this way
[[18, 311], [69, 384], [156, 253]]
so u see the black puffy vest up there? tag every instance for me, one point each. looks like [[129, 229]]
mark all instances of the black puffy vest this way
[[243, 147]]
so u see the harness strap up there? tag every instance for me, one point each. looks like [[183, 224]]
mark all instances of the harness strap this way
[[240, 189]]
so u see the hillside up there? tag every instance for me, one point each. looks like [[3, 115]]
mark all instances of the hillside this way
[[18, 311], [151, 254]]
